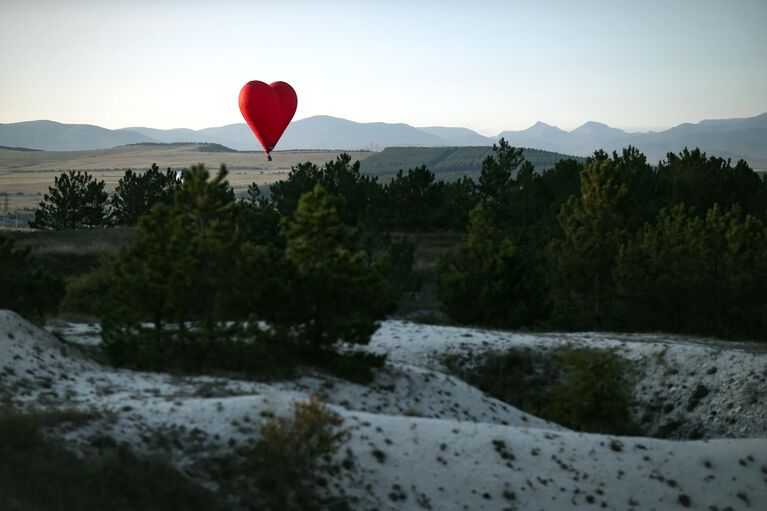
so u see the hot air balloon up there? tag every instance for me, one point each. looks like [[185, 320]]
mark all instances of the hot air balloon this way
[[268, 109]]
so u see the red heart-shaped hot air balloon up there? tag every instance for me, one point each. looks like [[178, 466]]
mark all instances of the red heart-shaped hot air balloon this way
[[268, 110]]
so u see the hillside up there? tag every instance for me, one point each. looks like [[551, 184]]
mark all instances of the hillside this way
[[447, 162], [55, 136], [744, 138], [729, 138], [325, 132], [419, 438]]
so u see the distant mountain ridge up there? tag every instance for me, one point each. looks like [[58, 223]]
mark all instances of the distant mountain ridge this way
[[734, 138], [55, 136]]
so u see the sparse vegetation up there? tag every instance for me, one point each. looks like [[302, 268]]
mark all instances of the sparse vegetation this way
[[30, 292], [583, 389], [287, 468], [37, 472], [594, 393]]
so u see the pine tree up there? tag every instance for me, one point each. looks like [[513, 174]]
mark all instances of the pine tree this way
[[176, 276], [497, 178], [658, 273], [258, 220], [486, 281], [414, 199], [137, 193], [75, 200], [336, 296], [695, 275], [339, 177], [581, 263]]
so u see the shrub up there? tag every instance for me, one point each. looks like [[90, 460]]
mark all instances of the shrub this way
[[520, 377], [286, 469], [31, 293], [593, 394], [38, 472], [85, 294], [582, 389]]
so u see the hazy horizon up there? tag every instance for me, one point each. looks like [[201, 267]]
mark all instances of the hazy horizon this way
[[491, 66], [629, 129]]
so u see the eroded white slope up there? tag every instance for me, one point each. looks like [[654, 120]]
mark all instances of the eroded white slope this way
[[704, 388], [420, 439], [435, 464]]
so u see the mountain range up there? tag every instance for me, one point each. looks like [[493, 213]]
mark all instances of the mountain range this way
[[732, 138]]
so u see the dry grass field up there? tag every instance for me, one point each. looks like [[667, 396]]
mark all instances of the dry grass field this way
[[26, 175]]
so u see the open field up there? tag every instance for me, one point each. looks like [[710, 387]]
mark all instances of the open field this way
[[26, 175]]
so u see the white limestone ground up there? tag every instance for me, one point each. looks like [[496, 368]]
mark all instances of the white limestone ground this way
[[710, 389], [422, 439]]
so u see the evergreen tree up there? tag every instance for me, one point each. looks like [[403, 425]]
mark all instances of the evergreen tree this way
[[497, 179], [399, 261], [75, 200], [137, 193], [695, 275], [339, 177], [335, 295], [176, 276], [414, 199], [485, 280], [459, 198], [594, 227], [659, 272], [33, 293], [696, 180], [258, 220], [646, 197], [553, 188]]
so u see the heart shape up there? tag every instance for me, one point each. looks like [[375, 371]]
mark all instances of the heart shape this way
[[268, 109]]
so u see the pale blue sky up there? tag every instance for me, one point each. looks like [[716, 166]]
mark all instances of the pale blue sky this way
[[487, 65]]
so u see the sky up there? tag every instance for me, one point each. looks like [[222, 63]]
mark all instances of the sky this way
[[485, 65]]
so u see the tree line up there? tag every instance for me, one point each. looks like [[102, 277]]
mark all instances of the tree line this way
[[616, 244], [612, 243]]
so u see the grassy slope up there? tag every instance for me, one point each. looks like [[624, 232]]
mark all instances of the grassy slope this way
[[446, 162], [26, 175]]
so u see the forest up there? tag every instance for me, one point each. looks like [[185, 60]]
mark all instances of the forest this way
[[612, 243]]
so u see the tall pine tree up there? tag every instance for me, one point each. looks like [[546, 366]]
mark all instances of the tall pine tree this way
[[336, 295], [594, 227], [170, 287]]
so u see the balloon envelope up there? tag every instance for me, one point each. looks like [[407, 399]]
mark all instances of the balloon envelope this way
[[268, 109]]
